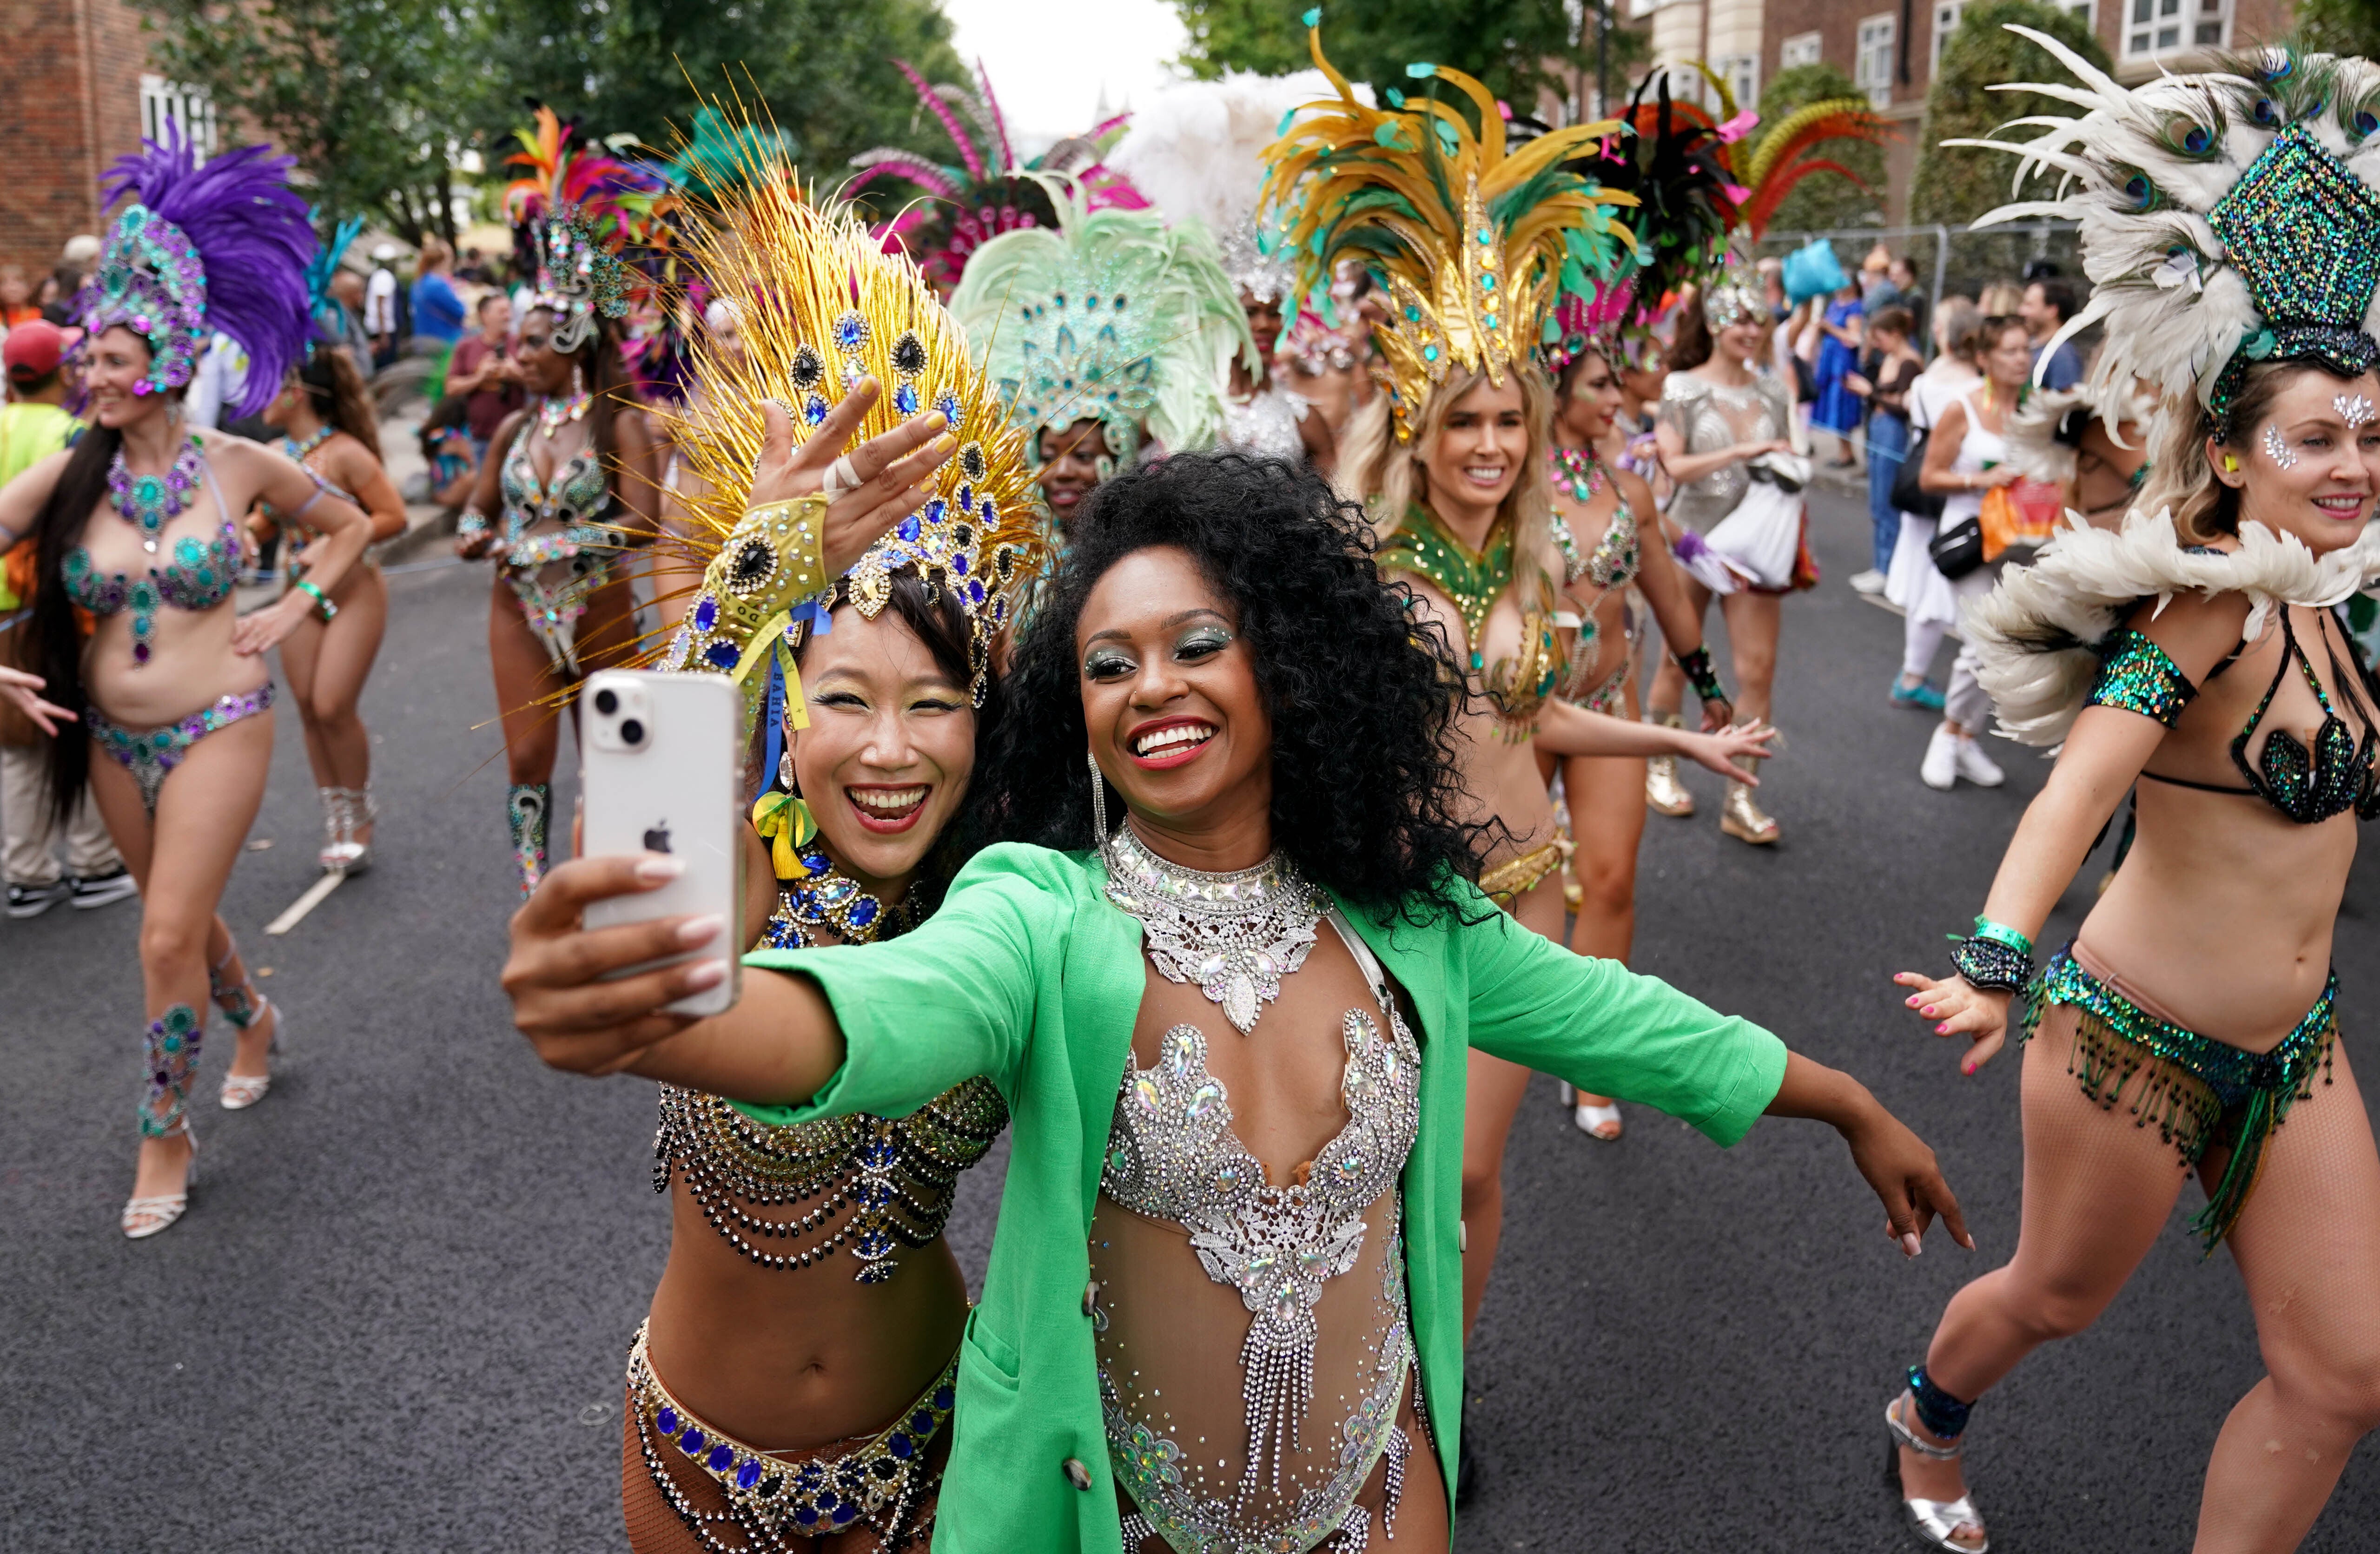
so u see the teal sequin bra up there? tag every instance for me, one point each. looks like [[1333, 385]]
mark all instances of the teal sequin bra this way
[[198, 574]]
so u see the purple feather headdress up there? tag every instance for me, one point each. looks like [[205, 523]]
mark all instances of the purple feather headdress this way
[[201, 248]]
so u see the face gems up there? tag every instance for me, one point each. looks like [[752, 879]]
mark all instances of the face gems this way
[[1235, 935], [2278, 451], [2355, 409]]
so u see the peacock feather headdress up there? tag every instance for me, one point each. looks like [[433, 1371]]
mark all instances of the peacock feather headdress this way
[[1474, 237], [219, 247], [822, 306], [1113, 317], [2227, 218], [574, 210]]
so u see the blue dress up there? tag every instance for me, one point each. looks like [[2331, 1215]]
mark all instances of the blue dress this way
[[1838, 408]]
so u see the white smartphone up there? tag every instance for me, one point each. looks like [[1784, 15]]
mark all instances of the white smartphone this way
[[661, 772]]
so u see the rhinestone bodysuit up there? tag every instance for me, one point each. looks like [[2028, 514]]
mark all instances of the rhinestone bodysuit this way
[[1172, 1157]]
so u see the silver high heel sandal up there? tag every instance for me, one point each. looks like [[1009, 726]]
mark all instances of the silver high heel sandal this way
[[241, 1091], [145, 1216], [1932, 1521], [344, 810], [334, 827]]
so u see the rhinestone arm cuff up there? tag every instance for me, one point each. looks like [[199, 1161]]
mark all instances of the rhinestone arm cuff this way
[[1992, 966], [1701, 675], [472, 522]]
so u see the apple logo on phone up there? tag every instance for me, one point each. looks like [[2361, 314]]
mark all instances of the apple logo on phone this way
[[657, 839]]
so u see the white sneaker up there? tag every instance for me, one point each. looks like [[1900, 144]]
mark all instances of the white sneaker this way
[[1869, 581], [1975, 766], [1941, 767]]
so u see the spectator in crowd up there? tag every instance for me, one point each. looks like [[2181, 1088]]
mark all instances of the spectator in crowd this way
[[1836, 406], [483, 373], [34, 425], [348, 290], [2047, 304], [1878, 290], [2000, 300], [446, 448], [380, 306], [437, 311], [17, 305], [1928, 603], [1884, 386], [1903, 274]]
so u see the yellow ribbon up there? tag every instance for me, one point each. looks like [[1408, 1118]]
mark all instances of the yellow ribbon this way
[[785, 822]]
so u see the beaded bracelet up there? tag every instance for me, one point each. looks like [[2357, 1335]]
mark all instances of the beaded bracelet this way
[[320, 602], [473, 522], [1699, 673], [1992, 966]]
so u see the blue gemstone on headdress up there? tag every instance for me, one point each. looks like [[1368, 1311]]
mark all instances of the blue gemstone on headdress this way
[[850, 333], [974, 591], [667, 1420], [935, 509], [909, 530], [987, 513], [948, 404], [905, 399], [720, 655], [959, 563], [706, 614], [749, 1474], [814, 409], [965, 494]]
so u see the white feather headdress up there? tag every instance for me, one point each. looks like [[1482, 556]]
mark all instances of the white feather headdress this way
[[1196, 151], [2036, 633], [2225, 217]]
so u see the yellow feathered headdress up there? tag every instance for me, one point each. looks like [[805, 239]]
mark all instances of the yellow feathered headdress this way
[[1473, 236], [822, 306]]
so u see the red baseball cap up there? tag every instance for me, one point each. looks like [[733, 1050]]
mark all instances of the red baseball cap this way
[[32, 351]]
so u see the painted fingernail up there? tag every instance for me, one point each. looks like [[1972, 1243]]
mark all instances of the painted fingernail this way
[[1967, 1069], [1911, 1246], [705, 974], [941, 422], [1942, 1029], [658, 869], [700, 930]]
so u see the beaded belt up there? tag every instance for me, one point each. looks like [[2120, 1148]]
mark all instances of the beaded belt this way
[[773, 1498], [1514, 878], [2196, 1090]]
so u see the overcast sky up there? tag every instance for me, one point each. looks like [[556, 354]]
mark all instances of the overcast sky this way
[[1048, 64]]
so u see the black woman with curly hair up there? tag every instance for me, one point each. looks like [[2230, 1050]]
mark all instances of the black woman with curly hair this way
[[1225, 1300]]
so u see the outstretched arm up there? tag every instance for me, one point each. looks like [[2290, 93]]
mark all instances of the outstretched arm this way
[[1564, 730]]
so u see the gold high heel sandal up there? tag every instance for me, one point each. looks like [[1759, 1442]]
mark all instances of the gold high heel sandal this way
[[1663, 792], [1742, 818]]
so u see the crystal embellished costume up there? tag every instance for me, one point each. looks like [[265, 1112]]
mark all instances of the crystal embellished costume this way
[[794, 1197]]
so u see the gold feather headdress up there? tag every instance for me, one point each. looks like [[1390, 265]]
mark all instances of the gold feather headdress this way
[[822, 306], [1473, 236]]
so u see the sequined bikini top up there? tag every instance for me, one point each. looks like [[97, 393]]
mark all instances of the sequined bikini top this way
[[1516, 686], [198, 574], [2307, 787], [1617, 557], [897, 1174], [572, 507]]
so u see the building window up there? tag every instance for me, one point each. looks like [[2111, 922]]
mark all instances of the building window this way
[[2084, 11], [1872, 67], [165, 103], [1945, 23], [2155, 26], [1802, 48], [1742, 74]]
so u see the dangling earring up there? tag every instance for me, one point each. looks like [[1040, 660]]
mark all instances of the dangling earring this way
[[1099, 799], [577, 381]]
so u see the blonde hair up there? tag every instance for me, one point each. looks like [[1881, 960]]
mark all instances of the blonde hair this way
[[2000, 298], [2182, 476], [1386, 476]]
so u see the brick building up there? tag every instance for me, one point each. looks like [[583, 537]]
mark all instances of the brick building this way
[[1890, 47], [80, 92]]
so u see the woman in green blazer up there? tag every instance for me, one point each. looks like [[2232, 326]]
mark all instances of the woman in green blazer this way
[[1220, 645]]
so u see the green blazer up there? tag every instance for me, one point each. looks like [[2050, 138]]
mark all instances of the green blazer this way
[[1028, 974]]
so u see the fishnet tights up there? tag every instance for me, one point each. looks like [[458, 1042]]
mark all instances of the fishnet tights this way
[[2097, 1193]]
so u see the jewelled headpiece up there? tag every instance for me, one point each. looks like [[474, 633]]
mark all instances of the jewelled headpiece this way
[[822, 306], [2227, 218], [573, 211], [1728, 303], [1472, 236], [1113, 317], [200, 249]]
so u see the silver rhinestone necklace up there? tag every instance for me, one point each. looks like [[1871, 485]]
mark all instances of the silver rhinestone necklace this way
[[1235, 935]]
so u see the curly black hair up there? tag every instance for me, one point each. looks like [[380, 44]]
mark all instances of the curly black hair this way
[[1367, 791]]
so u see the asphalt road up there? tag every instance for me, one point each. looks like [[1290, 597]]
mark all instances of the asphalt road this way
[[395, 1315]]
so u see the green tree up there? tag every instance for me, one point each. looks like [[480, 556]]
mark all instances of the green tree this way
[[359, 91], [822, 69], [1957, 183], [2340, 27], [1824, 201], [1519, 48]]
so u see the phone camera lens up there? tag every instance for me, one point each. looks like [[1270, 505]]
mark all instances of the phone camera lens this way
[[607, 703], [632, 731]]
